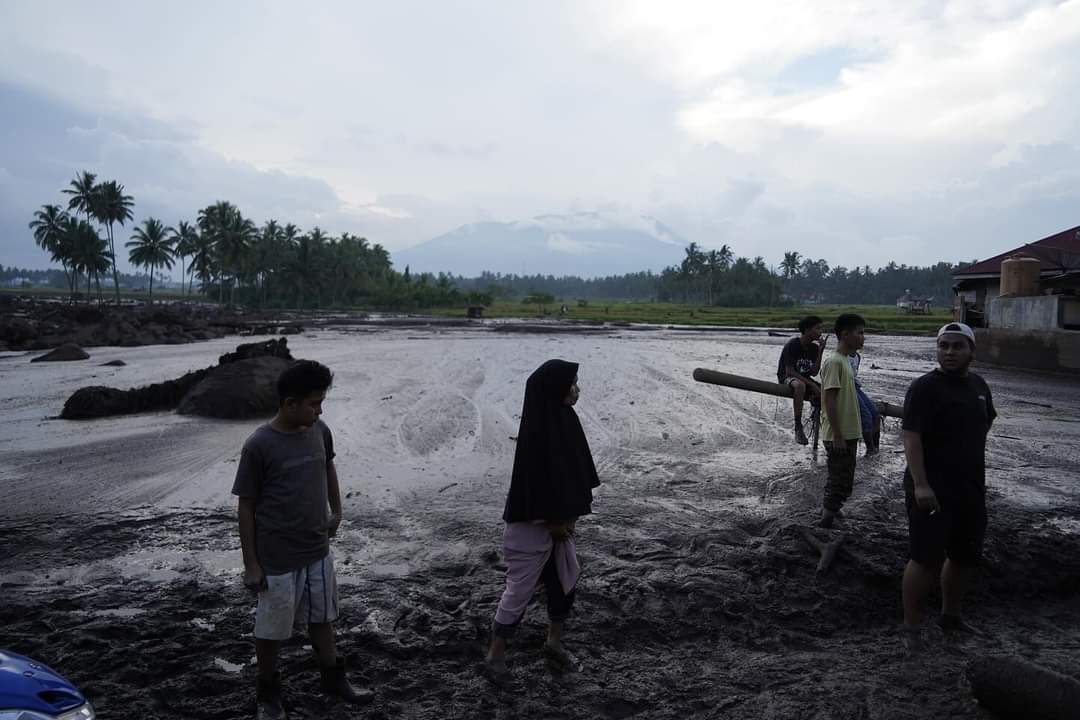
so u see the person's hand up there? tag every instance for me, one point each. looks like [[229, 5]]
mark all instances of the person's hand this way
[[839, 444], [255, 579], [559, 531], [335, 522], [925, 499]]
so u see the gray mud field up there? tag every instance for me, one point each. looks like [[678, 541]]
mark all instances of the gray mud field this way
[[698, 597]]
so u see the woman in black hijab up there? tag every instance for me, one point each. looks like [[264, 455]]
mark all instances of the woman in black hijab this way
[[550, 488]]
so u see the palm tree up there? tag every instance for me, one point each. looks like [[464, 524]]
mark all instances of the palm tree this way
[[202, 260], [238, 234], [184, 238], [691, 266], [791, 264], [89, 251], [83, 192], [211, 222], [49, 234], [112, 206], [345, 266], [712, 263], [150, 248], [305, 263], [726, 257], [232, 236], [266, 257]]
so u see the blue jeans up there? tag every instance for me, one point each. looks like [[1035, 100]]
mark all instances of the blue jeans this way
[[867, 410]]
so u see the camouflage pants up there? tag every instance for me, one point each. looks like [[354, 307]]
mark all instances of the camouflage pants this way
[[841, 474]]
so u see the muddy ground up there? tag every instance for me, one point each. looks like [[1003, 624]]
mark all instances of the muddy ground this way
[[699, 597]]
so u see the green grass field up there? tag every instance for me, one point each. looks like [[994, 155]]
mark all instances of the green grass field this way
[[879, 318]]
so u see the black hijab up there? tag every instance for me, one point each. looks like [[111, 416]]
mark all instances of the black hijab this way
[[554, 472]]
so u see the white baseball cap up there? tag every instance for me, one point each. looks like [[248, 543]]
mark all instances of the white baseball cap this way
[[955, 328]]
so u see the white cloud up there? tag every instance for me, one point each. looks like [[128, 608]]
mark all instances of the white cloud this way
[[830, 127]]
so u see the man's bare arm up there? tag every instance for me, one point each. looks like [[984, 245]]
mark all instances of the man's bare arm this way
[[820, 354], [333, 494], [254, 579], [831, 411], [916, 462]]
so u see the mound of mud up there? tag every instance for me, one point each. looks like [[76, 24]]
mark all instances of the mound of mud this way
[[244, 391], [64, 353], [40, 324], [1013, 688], [239, 390], [99, 401], [271, 348]]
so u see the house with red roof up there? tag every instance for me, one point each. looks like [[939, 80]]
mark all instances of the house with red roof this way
[[978, 286], [1025, 304]]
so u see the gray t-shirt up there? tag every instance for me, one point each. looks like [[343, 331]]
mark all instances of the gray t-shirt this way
[[286, 474]]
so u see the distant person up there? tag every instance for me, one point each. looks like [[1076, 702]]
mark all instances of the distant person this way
[[841, 425], [285, 481], [868, 412], [947, 415], [800, 360], [550, 488]]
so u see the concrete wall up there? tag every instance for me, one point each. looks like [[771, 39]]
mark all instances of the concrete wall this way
[[1057, 350], [1035, 312], [1070, 311]]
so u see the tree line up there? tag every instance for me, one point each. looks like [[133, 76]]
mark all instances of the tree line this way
[[717, 277], [11, 276], [273, 265], [232, 259]]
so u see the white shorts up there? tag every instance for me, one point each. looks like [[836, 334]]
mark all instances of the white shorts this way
[[295, 599]]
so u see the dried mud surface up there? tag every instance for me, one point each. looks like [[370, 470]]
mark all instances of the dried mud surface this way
[[699, 597]]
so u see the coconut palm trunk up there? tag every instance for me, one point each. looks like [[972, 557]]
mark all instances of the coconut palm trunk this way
[[115, 271]]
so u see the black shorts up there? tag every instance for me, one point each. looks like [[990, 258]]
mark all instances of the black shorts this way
[[955, 531]]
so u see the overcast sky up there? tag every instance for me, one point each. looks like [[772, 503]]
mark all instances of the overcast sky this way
[[858, 132]]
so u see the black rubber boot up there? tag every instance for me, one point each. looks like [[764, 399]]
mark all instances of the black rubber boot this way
[[268, 699], [334, 682]]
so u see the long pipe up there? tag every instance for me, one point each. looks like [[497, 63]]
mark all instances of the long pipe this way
[[715, 377]]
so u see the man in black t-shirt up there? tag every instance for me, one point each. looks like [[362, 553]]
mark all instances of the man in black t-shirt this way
[[800, 360], [947, 415]]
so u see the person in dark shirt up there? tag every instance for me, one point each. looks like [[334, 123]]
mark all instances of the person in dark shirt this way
[[285, 480], [947, 415], [800, 360]]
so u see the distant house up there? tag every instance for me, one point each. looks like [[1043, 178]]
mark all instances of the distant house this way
[[20, 282], [976, 286], [913, 304], [1034, 321]]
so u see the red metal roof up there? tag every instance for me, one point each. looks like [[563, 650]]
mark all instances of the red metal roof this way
[[1055, 251]]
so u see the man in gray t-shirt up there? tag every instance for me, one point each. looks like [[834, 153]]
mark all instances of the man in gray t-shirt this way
[[285, 481], [286, 474]]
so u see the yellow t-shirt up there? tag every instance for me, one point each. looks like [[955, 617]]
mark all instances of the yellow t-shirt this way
[[836, 373]]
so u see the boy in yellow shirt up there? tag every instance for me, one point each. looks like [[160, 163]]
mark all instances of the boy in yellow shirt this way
[[841, 426]]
